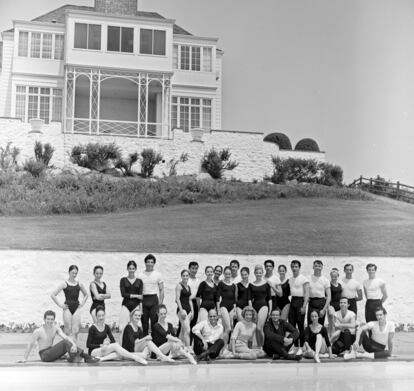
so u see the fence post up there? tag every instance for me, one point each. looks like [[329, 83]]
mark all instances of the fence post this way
[[398, 190], [370, 184]]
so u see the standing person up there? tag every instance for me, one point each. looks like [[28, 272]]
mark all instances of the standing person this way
[[283, 302], [316, 339], [242, 292], [351, 288], [336, 294], [280, 337], [99, 292], [345, 326], [226, 303], [243, 335], [193, 283], [131, 291], [208, 340], [234, 267], [207, 293], [319, 292], [273, 280], [185, 310], [218, 271], [299, 288], [261, 301], [375, 292], [44, 337], [71, 307], [153, 293], [380, 343]]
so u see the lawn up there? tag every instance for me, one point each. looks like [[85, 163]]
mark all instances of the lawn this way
[[301, 226]]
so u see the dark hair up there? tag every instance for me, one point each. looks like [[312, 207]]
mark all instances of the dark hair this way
[[221, 267], [317, 262], [245, 269], [283, 266], [96, 268], [347, 265], [269, 261], [208, 267], [161, 307], [295, 262], [149, 257], [99, 308], [227, 268], [192, 263], [132, 263], [184, 271], [314, 311], [276, 309], [371, 265], [384, 311], [235, 261], [342, 298], [49, 313], [72, 267]]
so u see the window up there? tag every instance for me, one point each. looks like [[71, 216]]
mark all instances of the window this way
[[35, 45], [191, 113], [21, 102], [87, 36], [41, 45], [23, 43], [120, 39], [57, 105], [207, 66], [194, 58], [175, 57], [59, 45], [47, 46], [152, 42], [185, 58]]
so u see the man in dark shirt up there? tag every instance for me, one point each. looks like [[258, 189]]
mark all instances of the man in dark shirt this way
[[279, 337]]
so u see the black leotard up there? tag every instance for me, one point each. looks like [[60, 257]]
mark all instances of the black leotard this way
[[208, 295], [96, 302], [129, 336], [185, 298], [128, 289], [310, 336], [243, 296], [159, 334], [260, 295], [227, 293], [72, 297], [96, 338], [336, 293], [283, 300]]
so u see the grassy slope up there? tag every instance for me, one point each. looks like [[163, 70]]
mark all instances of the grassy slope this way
[[281, 226]]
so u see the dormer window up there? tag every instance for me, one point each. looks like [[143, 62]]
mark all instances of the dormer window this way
[[192, 58], [152, 42], [120, 39], [87, 36]]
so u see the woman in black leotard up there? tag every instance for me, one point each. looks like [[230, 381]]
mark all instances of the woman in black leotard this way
[[283, 302], [99, 346], [207, 292], [336, 293], [185, 310], [226, 303], [261, 301], [131, 291], [242, 292], [71, 307], [218, 271], [99, 292]]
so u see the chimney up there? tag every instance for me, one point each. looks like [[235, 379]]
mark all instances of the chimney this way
[[117, 7]]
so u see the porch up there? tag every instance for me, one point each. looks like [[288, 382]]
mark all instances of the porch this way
[[106, 102]]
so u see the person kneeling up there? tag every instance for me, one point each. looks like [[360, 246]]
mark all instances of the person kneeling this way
[[208, 337], [243, 334], [279, 337], [380, 343]]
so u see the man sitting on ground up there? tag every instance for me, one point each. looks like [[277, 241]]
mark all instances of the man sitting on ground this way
[[208, 337], [345, 325], [44, 337]]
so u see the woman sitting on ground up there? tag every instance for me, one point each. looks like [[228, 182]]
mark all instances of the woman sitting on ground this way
[[164, 337], [133, 339], [101, 343], [317, 342], [242, 337]]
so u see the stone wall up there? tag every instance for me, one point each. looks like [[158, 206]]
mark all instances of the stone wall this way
[[117, 7]]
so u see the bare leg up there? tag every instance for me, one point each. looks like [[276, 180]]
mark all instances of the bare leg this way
[[76, 320], [239, 314], [202, 315], [67, 321], [225, 319], [93, 315], [285, 312], [154, 349], [261, 320], [318, 346], [185, 331]]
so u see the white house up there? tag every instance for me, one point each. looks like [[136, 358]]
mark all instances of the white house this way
[[110, 69]]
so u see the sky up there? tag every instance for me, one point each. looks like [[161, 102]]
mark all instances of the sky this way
[[338, 71]]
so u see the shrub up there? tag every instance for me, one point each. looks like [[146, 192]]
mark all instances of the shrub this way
[[280, 139], [34, 167], [8, 157], [173, 163], [149, 159], [95, 156], [125, 165], [43, 153], [331, 175], [215, 162], [307, 144]]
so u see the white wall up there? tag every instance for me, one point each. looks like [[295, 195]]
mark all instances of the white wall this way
[[5, 76]]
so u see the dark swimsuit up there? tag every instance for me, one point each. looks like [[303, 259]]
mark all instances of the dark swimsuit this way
[[208, 295], [72, 297], [336, 293], [242, 295], [129, 336], [96, 338], [283, 300], [260, 296], [159, 334], [128, 289], [185, 298], [96, 303], [227, 293]]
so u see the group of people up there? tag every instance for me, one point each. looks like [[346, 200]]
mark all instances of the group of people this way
[[227, 315]]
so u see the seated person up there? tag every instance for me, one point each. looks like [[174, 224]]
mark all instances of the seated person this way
[[243, 334], [280, 337], [344, 322], [44, 337], [133, 339], [375, 337], [101, 343], [208, 337], [316, 339]]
